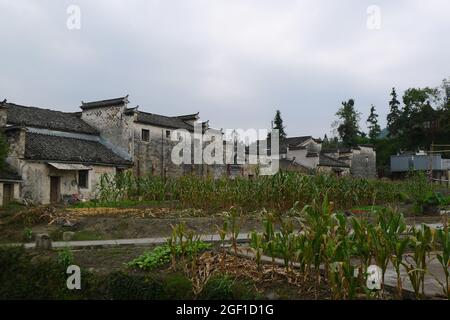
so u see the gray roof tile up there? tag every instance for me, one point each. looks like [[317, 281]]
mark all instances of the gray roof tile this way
[[57, 148], [326, 161], [104, 103], [48, 119], [163, 121]]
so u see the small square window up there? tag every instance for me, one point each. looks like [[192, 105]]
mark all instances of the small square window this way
[[145, 135], [167, 134], [83, 179]]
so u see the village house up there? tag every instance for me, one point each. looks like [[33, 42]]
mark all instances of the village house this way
[[53, 156], [60, 156], [305, 154]]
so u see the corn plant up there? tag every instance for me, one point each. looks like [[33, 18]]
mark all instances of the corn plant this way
[[258, 246], [234, 222], [416, 265], [443, 238], [399, 250], [361, 246], [223, 234]]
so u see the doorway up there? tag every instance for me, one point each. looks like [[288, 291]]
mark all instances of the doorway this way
[[8, 193], [55, 191]]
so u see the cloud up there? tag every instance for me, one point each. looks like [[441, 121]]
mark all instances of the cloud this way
[[235, 61]]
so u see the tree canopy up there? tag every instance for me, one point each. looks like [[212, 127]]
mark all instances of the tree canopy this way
[[278, 124], [348, 124]]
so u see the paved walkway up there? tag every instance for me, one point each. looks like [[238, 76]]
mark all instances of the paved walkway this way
[[243, 237]]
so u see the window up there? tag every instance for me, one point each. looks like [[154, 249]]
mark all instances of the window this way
[[167, 134], [83, 179], [145, 135]]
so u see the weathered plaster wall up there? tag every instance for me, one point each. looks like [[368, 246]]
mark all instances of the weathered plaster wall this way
[[155, 156], [16, 151], [342, 171], [302, 159], [3, 115], [36, 185], [363, 163], [115, 127]]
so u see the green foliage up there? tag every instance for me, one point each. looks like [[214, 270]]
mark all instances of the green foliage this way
[[393, 118], [278, 124], [178, 287], [329, 239], [27, 234], [161, 255], [279, 192], [430, 199], [421, 244], [348, 127], [123, 286], [65, 257], [21, 278], [374, 127], [443, 241], [224, 287]]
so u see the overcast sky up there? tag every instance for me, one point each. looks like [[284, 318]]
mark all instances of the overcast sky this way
[[234, 61]]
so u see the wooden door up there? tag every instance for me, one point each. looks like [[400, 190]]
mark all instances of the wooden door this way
[[8, 193], [54, 189]]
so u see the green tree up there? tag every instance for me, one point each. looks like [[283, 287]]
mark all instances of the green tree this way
[[393, 118], [374, 127], [348, 123], [419, 120], [278, 124]]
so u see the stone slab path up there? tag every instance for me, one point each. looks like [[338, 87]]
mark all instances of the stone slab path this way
[[243, 237]]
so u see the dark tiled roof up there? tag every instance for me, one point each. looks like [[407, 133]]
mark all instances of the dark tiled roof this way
[[295, 141], [188, 117], [48, 119], [9, 174], [163, 121], [104, 103], [312, 154], [330, 151], [56, 148], [326, 161]]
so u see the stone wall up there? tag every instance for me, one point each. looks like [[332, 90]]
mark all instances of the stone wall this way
[[3, 115], [363, 163], [115, 127], [16, 151], [339, 171]]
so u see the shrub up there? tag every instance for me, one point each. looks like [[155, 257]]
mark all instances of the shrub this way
[[177, 287], [123, 286], [65, 257], [24, 278], [223, 287]]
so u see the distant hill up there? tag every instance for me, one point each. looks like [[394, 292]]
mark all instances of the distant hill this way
[[384, 133]]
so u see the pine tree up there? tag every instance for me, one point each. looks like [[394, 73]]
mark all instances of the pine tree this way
[[348, 127], [278, 122], [374, 127], [393, 118]]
